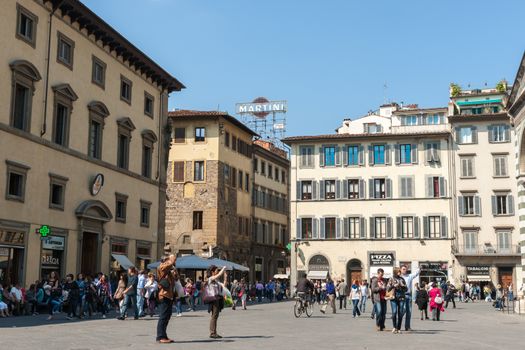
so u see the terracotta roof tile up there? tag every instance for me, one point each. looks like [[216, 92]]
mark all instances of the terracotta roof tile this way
[[187, 113], [293, 139]]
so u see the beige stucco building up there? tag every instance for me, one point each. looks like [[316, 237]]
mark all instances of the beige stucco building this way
[[82, 144], [375, 194], [270, 203], [486, 249]]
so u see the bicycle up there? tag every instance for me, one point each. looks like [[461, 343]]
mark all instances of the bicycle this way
[[303, 305]]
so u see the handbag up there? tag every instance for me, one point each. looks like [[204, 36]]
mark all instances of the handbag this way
[[390, 295], [438, 300], [210, 293], [177, 288]]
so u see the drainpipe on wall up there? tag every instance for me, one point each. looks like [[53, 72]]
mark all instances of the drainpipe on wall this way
[[48, 59], [162, 144], [453, 196]]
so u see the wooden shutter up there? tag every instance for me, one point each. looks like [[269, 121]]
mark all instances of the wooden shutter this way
[[337, 156], [493, 200], [299, 190], [362, 228], [315, 190], [387, 154], [370, 155], [372, 227], [458, 135], [442, 187], [315, 228], [344, 189], [477, 205], [346, 228], [430, 186], [388, 188], [414, 154], [436, 151], [510, 204], [410, 187], [444, 227], [338, 234], [416, 227], [397, 156], [426, 227], [399, 227], [361, 155], [321, 190], [322, 228], [298, 229], [491, 133], [461, 205], [362, 193], [371, 188], [345, 155], [507, 133], [388, 227], [428, 152], [321, 156], [474, 134], [337, 189]]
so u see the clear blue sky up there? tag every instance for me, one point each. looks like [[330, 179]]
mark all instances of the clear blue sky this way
[[329, 58]]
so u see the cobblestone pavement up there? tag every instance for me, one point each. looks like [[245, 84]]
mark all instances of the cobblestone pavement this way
[[267, 326]]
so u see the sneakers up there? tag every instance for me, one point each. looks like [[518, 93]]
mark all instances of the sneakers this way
[[178, 315], [103, 316], [395, 331]]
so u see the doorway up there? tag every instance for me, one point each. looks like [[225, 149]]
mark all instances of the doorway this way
[[11, 265], [89, 253], [354, 271], [505, 276]]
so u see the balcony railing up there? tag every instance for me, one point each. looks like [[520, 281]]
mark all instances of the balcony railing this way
[[487, 250], [405, 129]]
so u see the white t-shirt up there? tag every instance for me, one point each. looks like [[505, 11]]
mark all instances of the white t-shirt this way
[[355, 293], [17, 292], [364, 290]]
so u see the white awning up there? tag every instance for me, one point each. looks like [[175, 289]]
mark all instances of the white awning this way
[[281, 276], [317, 275], [481, 278], [123, 261]]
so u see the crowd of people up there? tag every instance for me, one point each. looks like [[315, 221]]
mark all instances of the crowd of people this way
[[398, 292]]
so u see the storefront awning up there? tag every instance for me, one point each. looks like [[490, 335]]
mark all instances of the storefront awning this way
[[123, 261], [317, 275], [478, 278], [281, 276]]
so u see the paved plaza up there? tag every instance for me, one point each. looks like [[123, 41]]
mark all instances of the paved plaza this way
[[267, 326]]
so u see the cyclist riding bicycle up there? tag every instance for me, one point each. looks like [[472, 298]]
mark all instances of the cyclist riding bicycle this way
[[304, 287]]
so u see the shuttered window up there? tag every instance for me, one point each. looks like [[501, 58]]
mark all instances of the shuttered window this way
[[467, 167], [406, 187], [307, 156], [178, 171], [500, 166]]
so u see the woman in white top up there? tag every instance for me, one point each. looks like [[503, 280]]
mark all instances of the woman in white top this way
[[355, 295], [151, 288]]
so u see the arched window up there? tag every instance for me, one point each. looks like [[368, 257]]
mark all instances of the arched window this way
[[24, 77]]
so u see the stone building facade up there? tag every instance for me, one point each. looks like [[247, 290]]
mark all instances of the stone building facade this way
[[210, 179], [83, 148]]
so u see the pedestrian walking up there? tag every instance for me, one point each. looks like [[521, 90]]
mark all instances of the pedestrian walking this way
[[355, 296], [104, 295], [130, 295], [141, 292], [378, 287], [214, 290], [450, 294], [364, 296], [397, 290], [436, 301], [166, 274], [407, 308], [342, 289], [422, 301], [119, 293], [150, 296], [330, 293]]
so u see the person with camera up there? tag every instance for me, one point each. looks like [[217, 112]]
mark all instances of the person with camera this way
[[214, 298], [396, 293], [378, 288], [166, 274]]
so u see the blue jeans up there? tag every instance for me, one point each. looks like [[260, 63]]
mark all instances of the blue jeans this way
[[398, 311], [380, 311], [140, 302], [362, 305], [178, 306], [355, 310], [408, 311], [129, 299]]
